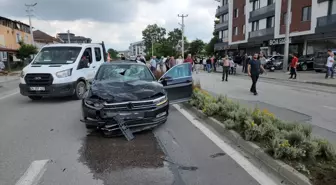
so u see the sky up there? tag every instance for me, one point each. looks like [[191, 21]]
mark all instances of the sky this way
[[116, 22]]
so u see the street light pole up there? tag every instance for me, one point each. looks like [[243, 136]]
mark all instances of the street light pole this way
[[288, 22], [29, 10], [182, 29]]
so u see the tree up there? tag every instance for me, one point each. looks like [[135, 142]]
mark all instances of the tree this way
[[196, 47], [164, 48], [210, 47], [26, 50], [113, 53], [153, 33]]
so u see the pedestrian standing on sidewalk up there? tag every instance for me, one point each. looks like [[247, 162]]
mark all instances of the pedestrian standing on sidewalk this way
[[208, 64], [204, 63], [226, 67], [172, 62], [179, 60], [244, 62], [189, 60], [153, 64], [167, 63], [330, 63], [254, 68], [293, 65]]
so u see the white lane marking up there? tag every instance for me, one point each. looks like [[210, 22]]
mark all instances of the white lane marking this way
[[8, 95], [328, 107], [254, 172], [33, 173]]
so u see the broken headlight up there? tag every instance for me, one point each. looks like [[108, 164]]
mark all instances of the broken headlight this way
[[94, 104], [160, 101]]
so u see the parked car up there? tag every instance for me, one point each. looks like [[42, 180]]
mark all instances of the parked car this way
[[306, 63], [320, 61], [131, 90]]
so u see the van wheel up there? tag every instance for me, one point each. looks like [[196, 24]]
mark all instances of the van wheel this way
[[80, 90], [35, 97]]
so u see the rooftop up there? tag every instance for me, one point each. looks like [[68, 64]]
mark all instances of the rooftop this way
[[42, 36]]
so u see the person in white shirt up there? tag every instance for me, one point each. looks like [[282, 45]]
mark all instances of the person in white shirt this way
[[330, 64], [179, 60]]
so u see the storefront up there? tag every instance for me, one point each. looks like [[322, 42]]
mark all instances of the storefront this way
[[277, 46]]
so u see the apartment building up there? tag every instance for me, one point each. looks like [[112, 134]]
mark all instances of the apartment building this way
[[73, 38], [137, 48], [260, 25], [11, 33]]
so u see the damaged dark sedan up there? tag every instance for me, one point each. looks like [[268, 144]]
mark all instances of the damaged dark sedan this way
[[125, 97]]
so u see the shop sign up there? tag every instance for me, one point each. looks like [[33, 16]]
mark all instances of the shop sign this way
[[281, 41]]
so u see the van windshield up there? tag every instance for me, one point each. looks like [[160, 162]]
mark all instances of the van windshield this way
[[57, 55]]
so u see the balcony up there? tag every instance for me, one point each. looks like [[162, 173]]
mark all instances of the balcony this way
[[222, 26], [326, 24], [266, 34], [262, 13], [222, 10]]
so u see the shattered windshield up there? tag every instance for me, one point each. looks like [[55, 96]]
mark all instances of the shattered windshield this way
[[57, 55], [124, 72]]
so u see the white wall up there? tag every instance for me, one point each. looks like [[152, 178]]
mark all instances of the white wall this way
[[318, 10], [263, 3]]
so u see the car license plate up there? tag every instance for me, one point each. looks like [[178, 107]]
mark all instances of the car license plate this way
[[37, 88], [127, 115]]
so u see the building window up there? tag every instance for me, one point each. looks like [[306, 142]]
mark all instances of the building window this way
[[18, 37], [235, 13], [235, 31], [270, 2], [256, 5], [306, 13], [284, 18], [225, 34], [225, 2], [98, 54], [332, 7], [244, 29], [221, 34], [225, 17], [255, 25], [26, 39], [270, 22]]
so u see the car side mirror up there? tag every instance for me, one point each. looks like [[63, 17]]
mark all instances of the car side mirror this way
[[166, 78]]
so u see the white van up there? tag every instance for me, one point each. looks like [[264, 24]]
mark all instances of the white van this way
[[61, 70]]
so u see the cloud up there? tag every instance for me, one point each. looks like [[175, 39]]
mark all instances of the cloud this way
[[117, 22]]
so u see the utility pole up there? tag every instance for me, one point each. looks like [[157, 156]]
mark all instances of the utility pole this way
[[182, 28], [288, 22], [29, 13], [68, 36]]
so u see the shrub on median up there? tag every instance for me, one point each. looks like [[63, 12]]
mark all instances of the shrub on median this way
[[289, 141]]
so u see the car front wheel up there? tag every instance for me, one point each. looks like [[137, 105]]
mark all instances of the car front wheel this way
[[304, 67], [79, 90]]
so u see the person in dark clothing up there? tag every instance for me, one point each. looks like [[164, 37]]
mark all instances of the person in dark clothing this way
[[247, 61], [253, 71], [244, 63], [208, 66]]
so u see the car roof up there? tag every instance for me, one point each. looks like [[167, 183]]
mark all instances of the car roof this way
[[71, 45]]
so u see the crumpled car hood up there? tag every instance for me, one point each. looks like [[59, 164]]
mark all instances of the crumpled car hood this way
[[115, 92]]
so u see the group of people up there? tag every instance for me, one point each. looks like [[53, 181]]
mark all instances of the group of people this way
[[165, 63], [254, 69]]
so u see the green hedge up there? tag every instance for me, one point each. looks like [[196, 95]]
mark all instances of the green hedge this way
[[289, 141]]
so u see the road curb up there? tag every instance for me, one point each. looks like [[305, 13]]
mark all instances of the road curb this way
[[286, 80], [284, 170]]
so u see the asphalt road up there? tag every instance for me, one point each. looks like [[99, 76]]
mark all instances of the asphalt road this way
[[50, 130], [292, 101]]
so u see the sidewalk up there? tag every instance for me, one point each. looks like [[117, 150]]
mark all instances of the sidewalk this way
[[8, 78], [310, 77]]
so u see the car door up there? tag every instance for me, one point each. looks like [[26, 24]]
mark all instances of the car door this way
[[177, 82], [98, 59]]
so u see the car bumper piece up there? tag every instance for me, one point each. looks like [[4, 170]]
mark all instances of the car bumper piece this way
[[125, 123], [54, 90]]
